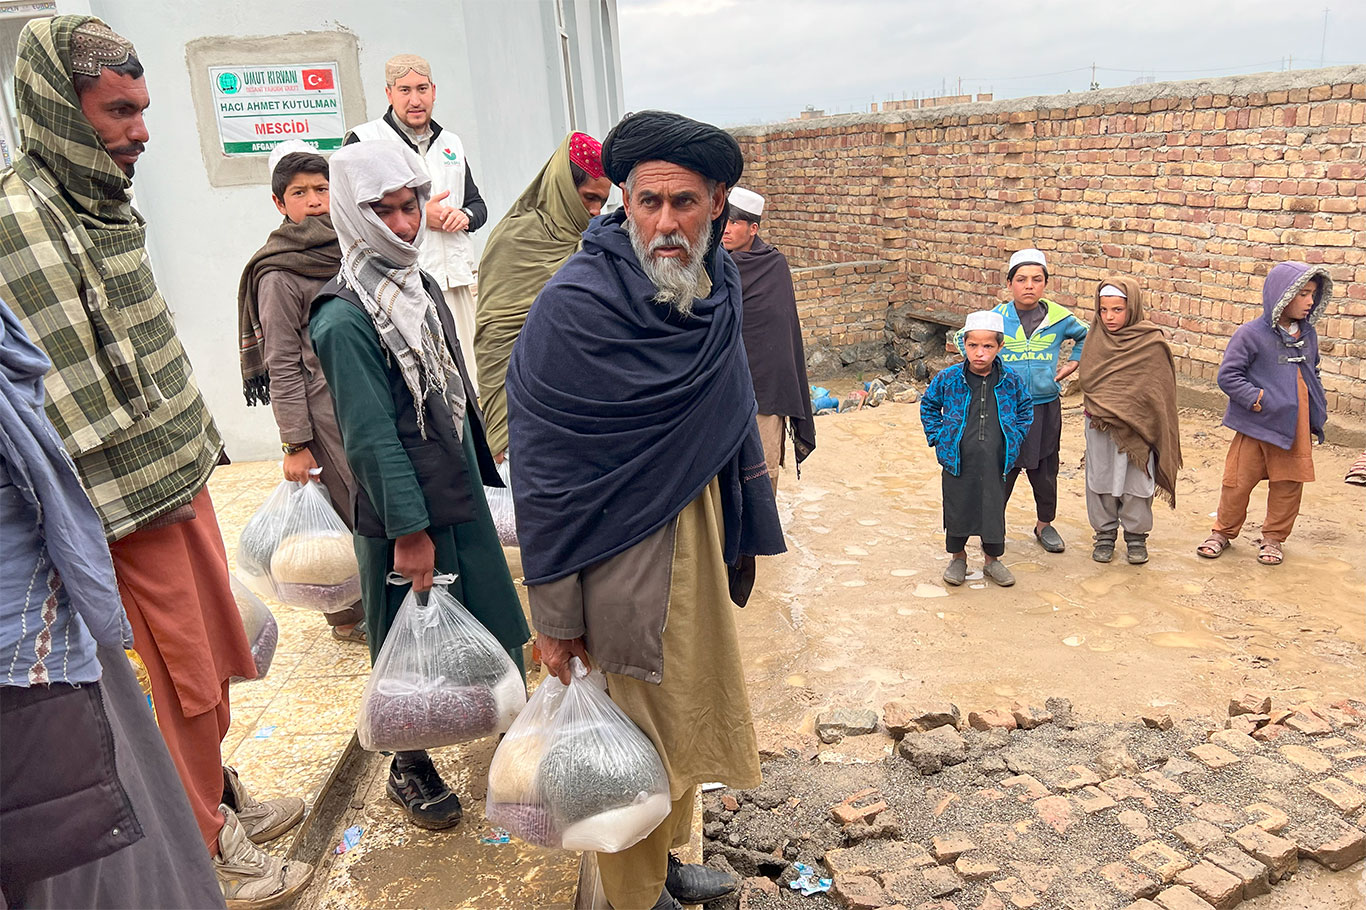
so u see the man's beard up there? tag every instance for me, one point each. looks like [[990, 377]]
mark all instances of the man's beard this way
[[676, 282], [137, 148]]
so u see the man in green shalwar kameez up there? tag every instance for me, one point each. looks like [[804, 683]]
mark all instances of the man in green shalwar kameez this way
[[411, 428]]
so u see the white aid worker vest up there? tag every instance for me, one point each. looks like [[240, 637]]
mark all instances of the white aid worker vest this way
[[447, 257]]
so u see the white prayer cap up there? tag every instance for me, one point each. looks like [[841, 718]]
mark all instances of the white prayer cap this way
[[1111, 291], [1030, 256], [747, 201], [985, 321], [288, 147]]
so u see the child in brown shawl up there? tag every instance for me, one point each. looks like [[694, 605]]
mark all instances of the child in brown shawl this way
[[279, 367], [1133, 441]]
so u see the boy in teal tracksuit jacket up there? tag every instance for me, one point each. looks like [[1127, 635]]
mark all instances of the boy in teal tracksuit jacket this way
[[1035, 328]]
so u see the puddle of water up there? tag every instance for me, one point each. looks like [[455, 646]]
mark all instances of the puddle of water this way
[[1122, 621], [1103, 647], [796, 680], [904, 573], [855, 551], [1074, 641], [924, 590], [906, 611], [869, 522], [1188, 640], [1099, 585], [854, 583], [817, 529]]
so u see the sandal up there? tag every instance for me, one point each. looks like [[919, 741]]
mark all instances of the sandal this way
[[1269, 552], [356, 634], [1214, 546], [1357, 472]]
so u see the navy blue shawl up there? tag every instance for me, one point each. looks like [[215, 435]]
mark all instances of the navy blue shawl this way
[[621, 411]]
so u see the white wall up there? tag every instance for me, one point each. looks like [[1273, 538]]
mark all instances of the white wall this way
[[499, 86]]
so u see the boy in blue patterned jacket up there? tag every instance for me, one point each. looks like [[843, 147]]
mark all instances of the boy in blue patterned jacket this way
[[976, 414], [1035, 329]]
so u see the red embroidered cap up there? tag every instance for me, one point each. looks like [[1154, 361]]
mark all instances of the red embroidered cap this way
[[586, 152]]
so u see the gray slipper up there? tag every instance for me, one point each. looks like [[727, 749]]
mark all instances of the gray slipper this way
[[1051, 539], [997, 572], [956, 572]]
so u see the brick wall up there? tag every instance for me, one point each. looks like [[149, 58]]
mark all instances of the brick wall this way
[[1194, 188], [844, 305]]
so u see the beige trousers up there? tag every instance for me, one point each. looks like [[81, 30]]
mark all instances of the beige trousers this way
[[460, 301], [773, 434]]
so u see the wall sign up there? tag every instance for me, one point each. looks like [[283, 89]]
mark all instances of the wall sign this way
[[258, 107]]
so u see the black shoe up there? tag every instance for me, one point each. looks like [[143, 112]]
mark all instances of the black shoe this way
[[424, 795], [666, 901], [1104, 549], [1050, 539], [693, 884], [1136, 546]]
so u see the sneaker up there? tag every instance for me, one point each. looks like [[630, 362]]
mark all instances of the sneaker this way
[[997, 572], [264, 821], [1104, 549], [252, 879], [1136, 547], [424, 795]]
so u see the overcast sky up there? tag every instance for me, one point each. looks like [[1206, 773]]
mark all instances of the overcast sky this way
[[751, 61]]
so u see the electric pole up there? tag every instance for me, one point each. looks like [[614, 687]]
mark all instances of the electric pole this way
[[1323, 43]]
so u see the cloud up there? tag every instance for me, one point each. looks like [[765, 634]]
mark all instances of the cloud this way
[[744, 61]]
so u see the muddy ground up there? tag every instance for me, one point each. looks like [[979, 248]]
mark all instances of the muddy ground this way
[[855, 614]]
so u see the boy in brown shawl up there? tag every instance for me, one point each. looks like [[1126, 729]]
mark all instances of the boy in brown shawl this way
[[279, 367], [1133, 441]]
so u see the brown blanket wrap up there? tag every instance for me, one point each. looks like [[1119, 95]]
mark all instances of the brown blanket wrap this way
[[308, 248], [1128, 384]]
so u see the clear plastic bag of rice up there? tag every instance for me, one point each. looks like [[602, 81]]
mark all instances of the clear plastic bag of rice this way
[[263, 633], [260, 538], [314, 564], [575, 772], [441, 678], [500, 507]]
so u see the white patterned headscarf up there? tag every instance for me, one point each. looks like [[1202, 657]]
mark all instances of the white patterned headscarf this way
[[382, 270]]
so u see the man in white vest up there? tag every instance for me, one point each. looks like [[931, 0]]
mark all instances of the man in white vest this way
[[455, 209]]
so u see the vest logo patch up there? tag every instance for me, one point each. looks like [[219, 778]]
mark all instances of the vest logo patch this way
[[450, 155]]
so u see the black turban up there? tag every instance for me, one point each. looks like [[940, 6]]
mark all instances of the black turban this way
[[663, 136]]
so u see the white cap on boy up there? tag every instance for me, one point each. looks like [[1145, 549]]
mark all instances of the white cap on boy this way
[[1030, 256], [985, 321]]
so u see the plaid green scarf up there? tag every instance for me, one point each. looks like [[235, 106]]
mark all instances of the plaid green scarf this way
[[120, 392]]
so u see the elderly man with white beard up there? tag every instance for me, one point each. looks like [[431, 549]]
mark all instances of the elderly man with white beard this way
[[640, 483]]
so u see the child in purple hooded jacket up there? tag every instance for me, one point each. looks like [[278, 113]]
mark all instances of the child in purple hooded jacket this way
[[1270, 373]]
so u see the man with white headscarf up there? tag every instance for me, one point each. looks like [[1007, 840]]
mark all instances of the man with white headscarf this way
[[410, 426]]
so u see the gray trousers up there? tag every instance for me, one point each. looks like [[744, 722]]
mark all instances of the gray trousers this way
[[1108, 512]]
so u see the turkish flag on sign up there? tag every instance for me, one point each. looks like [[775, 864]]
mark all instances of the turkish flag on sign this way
[[317, 80]]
